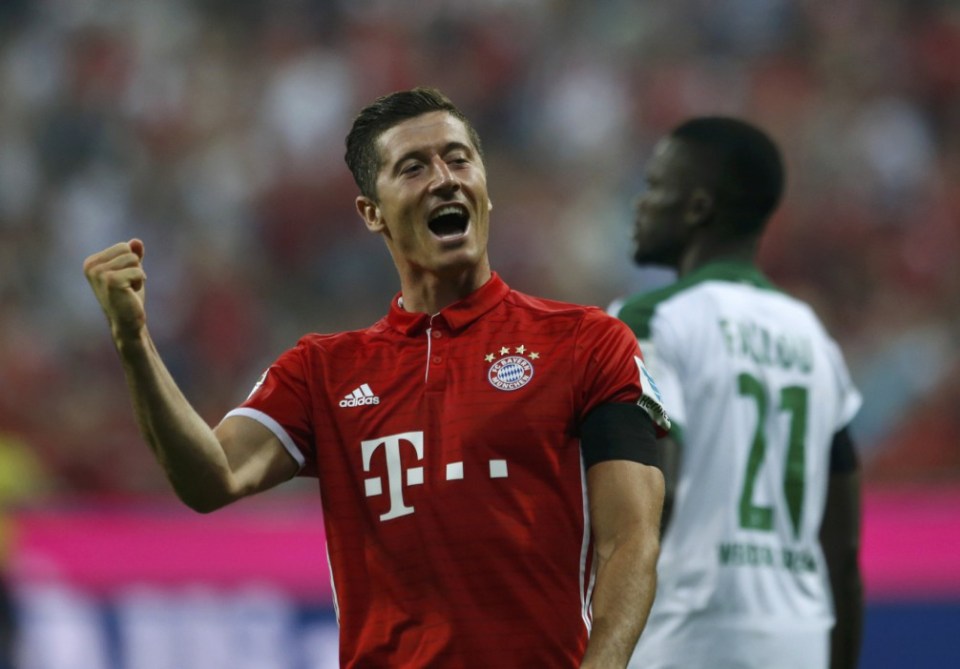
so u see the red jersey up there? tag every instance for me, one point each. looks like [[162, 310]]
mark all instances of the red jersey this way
[[448, 456]]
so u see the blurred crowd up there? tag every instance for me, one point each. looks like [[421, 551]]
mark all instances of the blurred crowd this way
[[213, 130]]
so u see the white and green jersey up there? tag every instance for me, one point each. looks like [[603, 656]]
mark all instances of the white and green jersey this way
[[756, 390]]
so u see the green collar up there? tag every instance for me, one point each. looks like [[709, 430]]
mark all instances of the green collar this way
[[735, 271]]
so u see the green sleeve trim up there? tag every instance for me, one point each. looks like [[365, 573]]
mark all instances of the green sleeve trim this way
[[676, 432]]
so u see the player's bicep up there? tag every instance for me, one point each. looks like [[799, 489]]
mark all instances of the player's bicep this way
[[840, 528], [257, 457], [626, 499]]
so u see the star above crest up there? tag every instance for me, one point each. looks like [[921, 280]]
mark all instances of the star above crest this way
[[518, 350]]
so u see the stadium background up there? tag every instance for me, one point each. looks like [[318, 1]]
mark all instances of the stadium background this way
[[213, 130]]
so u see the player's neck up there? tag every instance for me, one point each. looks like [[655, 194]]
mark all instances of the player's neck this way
[[427, 292], [698, 255]]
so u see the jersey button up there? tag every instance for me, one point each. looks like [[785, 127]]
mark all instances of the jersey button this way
[[436, 359], [437, 335]]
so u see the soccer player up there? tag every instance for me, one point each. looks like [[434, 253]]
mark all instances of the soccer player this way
[[760, 552], [483, 456]]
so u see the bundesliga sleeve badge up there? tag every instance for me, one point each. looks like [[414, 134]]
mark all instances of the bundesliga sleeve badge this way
[[511, 371], [256, 387], [650, 399]]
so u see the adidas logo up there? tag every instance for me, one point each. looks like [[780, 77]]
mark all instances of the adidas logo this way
[[359, 397]]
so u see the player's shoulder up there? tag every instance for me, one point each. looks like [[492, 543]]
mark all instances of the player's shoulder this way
[[638, 310], [330, 342], [542, 308], [579, 322], [639, 307], [693, 296]]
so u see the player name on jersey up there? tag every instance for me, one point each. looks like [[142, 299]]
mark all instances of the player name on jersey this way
[[747, 339], [757, 555]]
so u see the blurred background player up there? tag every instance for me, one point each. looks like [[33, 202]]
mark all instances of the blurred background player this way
[[760, 551], [23, 481], [455, 440]]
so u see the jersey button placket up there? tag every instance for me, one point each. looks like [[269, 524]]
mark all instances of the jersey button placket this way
[[438, 355]]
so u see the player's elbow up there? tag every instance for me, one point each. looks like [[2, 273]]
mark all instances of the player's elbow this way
[[208, 498], [648, 546], [204, 505], [639, 541]]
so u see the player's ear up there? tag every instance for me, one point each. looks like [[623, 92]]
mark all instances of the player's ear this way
[[700, 206], [370, 213]]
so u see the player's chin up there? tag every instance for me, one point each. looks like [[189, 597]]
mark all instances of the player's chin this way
[[645, 255], [455, 259], [640, 252]]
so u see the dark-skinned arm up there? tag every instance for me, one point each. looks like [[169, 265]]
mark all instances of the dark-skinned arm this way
[[840, 538]]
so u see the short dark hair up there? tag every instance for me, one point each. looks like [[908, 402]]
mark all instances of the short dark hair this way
[[363, 156], [742, 164]]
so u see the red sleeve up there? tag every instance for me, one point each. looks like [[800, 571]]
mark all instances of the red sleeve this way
[[281, 402], [610, 364]]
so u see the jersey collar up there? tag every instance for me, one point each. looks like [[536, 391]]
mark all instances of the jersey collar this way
[[455, 316], [736, 271]]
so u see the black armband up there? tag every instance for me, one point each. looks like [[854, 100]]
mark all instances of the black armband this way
[[843, 456], [619, 432]]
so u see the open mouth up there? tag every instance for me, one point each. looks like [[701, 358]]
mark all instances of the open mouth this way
[[449, 222]]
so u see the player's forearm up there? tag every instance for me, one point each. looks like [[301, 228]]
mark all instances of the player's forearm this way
[[624, 591], [840, 538], [183, 443], [848, 604]]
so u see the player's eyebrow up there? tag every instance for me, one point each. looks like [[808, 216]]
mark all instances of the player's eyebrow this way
[[421, 153]]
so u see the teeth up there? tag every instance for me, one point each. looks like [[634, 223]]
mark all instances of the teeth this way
[[449, 209]]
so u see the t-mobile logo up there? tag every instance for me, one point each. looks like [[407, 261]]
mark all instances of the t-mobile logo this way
[[374, 485]]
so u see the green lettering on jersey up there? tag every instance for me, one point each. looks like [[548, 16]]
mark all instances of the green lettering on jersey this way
[[750, 341], [745, 554], [727, 333], [798, 561]]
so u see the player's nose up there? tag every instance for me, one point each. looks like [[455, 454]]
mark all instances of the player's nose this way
[[443, 177]]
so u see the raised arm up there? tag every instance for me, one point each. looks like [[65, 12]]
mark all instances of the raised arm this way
[[207, 468], [626, 500]]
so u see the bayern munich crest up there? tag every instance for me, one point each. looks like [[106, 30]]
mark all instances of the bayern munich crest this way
[[511, 372]]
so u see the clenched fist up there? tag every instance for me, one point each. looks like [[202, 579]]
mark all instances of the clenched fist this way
[[117, 278]]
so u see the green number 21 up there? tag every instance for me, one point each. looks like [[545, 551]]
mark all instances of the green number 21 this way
[[793, 400]]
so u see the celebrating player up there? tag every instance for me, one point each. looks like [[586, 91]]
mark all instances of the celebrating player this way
[[760, 462], [483, 456]]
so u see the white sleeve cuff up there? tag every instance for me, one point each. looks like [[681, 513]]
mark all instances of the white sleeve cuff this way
[[274, 427]]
